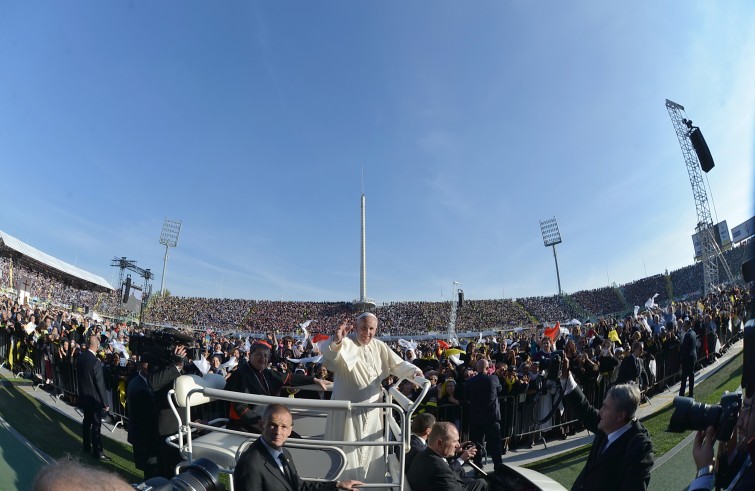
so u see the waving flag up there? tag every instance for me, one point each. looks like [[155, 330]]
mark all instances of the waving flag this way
[[454, 351], [444, 345], [311, 359], [553, 332], [650, 304], [304, 327], [319, 337], [411, 345]]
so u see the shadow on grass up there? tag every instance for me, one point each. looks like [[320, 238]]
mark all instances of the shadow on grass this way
[[59, 436]]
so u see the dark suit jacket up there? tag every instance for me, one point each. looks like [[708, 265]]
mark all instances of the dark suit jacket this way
[[688, 349], [91, 382], [629, 370], [625, 464], [256, 470], [417, 446], [430, 472], [161, 382], [245, 379], [482, 392], [143, 432]]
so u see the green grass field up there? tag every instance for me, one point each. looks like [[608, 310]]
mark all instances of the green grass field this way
[[59, 436], [565, 468]]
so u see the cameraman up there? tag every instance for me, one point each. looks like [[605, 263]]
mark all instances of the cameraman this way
[[161, 382], [734, 462], [621, 456]]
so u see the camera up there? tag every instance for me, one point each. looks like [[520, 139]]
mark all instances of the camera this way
[[691, 415], [158, 346], [200, 475], [553, 365]]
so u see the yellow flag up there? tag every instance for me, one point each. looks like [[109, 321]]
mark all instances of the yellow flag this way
[[122, 392], [613, 335]]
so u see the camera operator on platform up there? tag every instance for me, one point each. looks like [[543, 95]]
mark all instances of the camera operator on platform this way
[[161, 382], [621, 455]]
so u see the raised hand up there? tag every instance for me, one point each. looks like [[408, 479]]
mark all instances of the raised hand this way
[[341, 331]]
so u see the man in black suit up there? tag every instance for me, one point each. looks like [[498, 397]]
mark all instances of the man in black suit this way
[[621, 456], [630, 369], [143, 433], [421, 426], [430, 470], [484, 413], [254, 377], [267, 466], [92, 398], [688, 358], [161, 382]]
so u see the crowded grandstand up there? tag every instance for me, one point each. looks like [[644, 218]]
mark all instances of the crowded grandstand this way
[[42, 335]]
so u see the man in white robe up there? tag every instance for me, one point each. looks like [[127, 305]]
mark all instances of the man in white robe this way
[[359, 363]]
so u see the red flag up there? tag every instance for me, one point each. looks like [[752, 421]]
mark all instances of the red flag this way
[[444, 345], [553, 332], [319, 337]]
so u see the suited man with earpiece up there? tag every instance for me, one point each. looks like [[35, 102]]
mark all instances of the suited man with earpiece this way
[[267, 465]]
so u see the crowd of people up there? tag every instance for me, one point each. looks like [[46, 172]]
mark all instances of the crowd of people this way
[[646, 347], [642, 348], [396, 318]]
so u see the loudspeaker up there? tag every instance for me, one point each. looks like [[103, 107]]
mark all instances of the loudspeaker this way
[[126, 289], [701, 149], [461, 298]]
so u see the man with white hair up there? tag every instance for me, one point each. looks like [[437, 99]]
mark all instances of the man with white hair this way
[[359, 363]]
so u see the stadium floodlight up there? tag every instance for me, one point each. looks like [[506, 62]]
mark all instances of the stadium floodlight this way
[[168, 238], [551, 237]]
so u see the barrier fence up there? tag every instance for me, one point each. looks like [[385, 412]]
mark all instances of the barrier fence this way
[[53, 368]]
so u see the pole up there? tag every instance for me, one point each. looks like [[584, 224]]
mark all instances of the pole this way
[[162, 280], [558, 276]]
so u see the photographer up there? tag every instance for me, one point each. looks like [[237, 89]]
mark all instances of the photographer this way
[[732, 468], [621, 455]]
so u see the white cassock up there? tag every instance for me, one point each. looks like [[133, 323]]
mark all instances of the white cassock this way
[[358, 371]]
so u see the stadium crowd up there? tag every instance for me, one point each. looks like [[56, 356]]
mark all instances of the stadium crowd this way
[[47, 341]]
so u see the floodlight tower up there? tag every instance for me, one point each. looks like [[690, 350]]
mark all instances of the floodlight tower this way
[[168, 238], [551, 237]]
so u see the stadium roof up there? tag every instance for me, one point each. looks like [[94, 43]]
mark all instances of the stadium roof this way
[[29, 252]]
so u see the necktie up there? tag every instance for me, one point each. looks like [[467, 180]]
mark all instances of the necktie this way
[[286, 468], [600, 452]]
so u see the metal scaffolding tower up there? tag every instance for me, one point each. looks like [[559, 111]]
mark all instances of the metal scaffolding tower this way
[[710, 250], [124, 265]]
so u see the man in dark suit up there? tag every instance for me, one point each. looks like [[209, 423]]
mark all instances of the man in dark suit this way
[[630, 369], [484, 413], [254, 377], [688, 358], [430, 470], [267, 466], [621, 456], [161, 382], [421, 426], [143, 433], [92, 398]]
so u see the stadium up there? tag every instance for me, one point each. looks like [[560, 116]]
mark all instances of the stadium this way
[[253, 126]]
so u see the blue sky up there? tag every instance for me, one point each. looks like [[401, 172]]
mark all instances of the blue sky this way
[[252, 122]]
